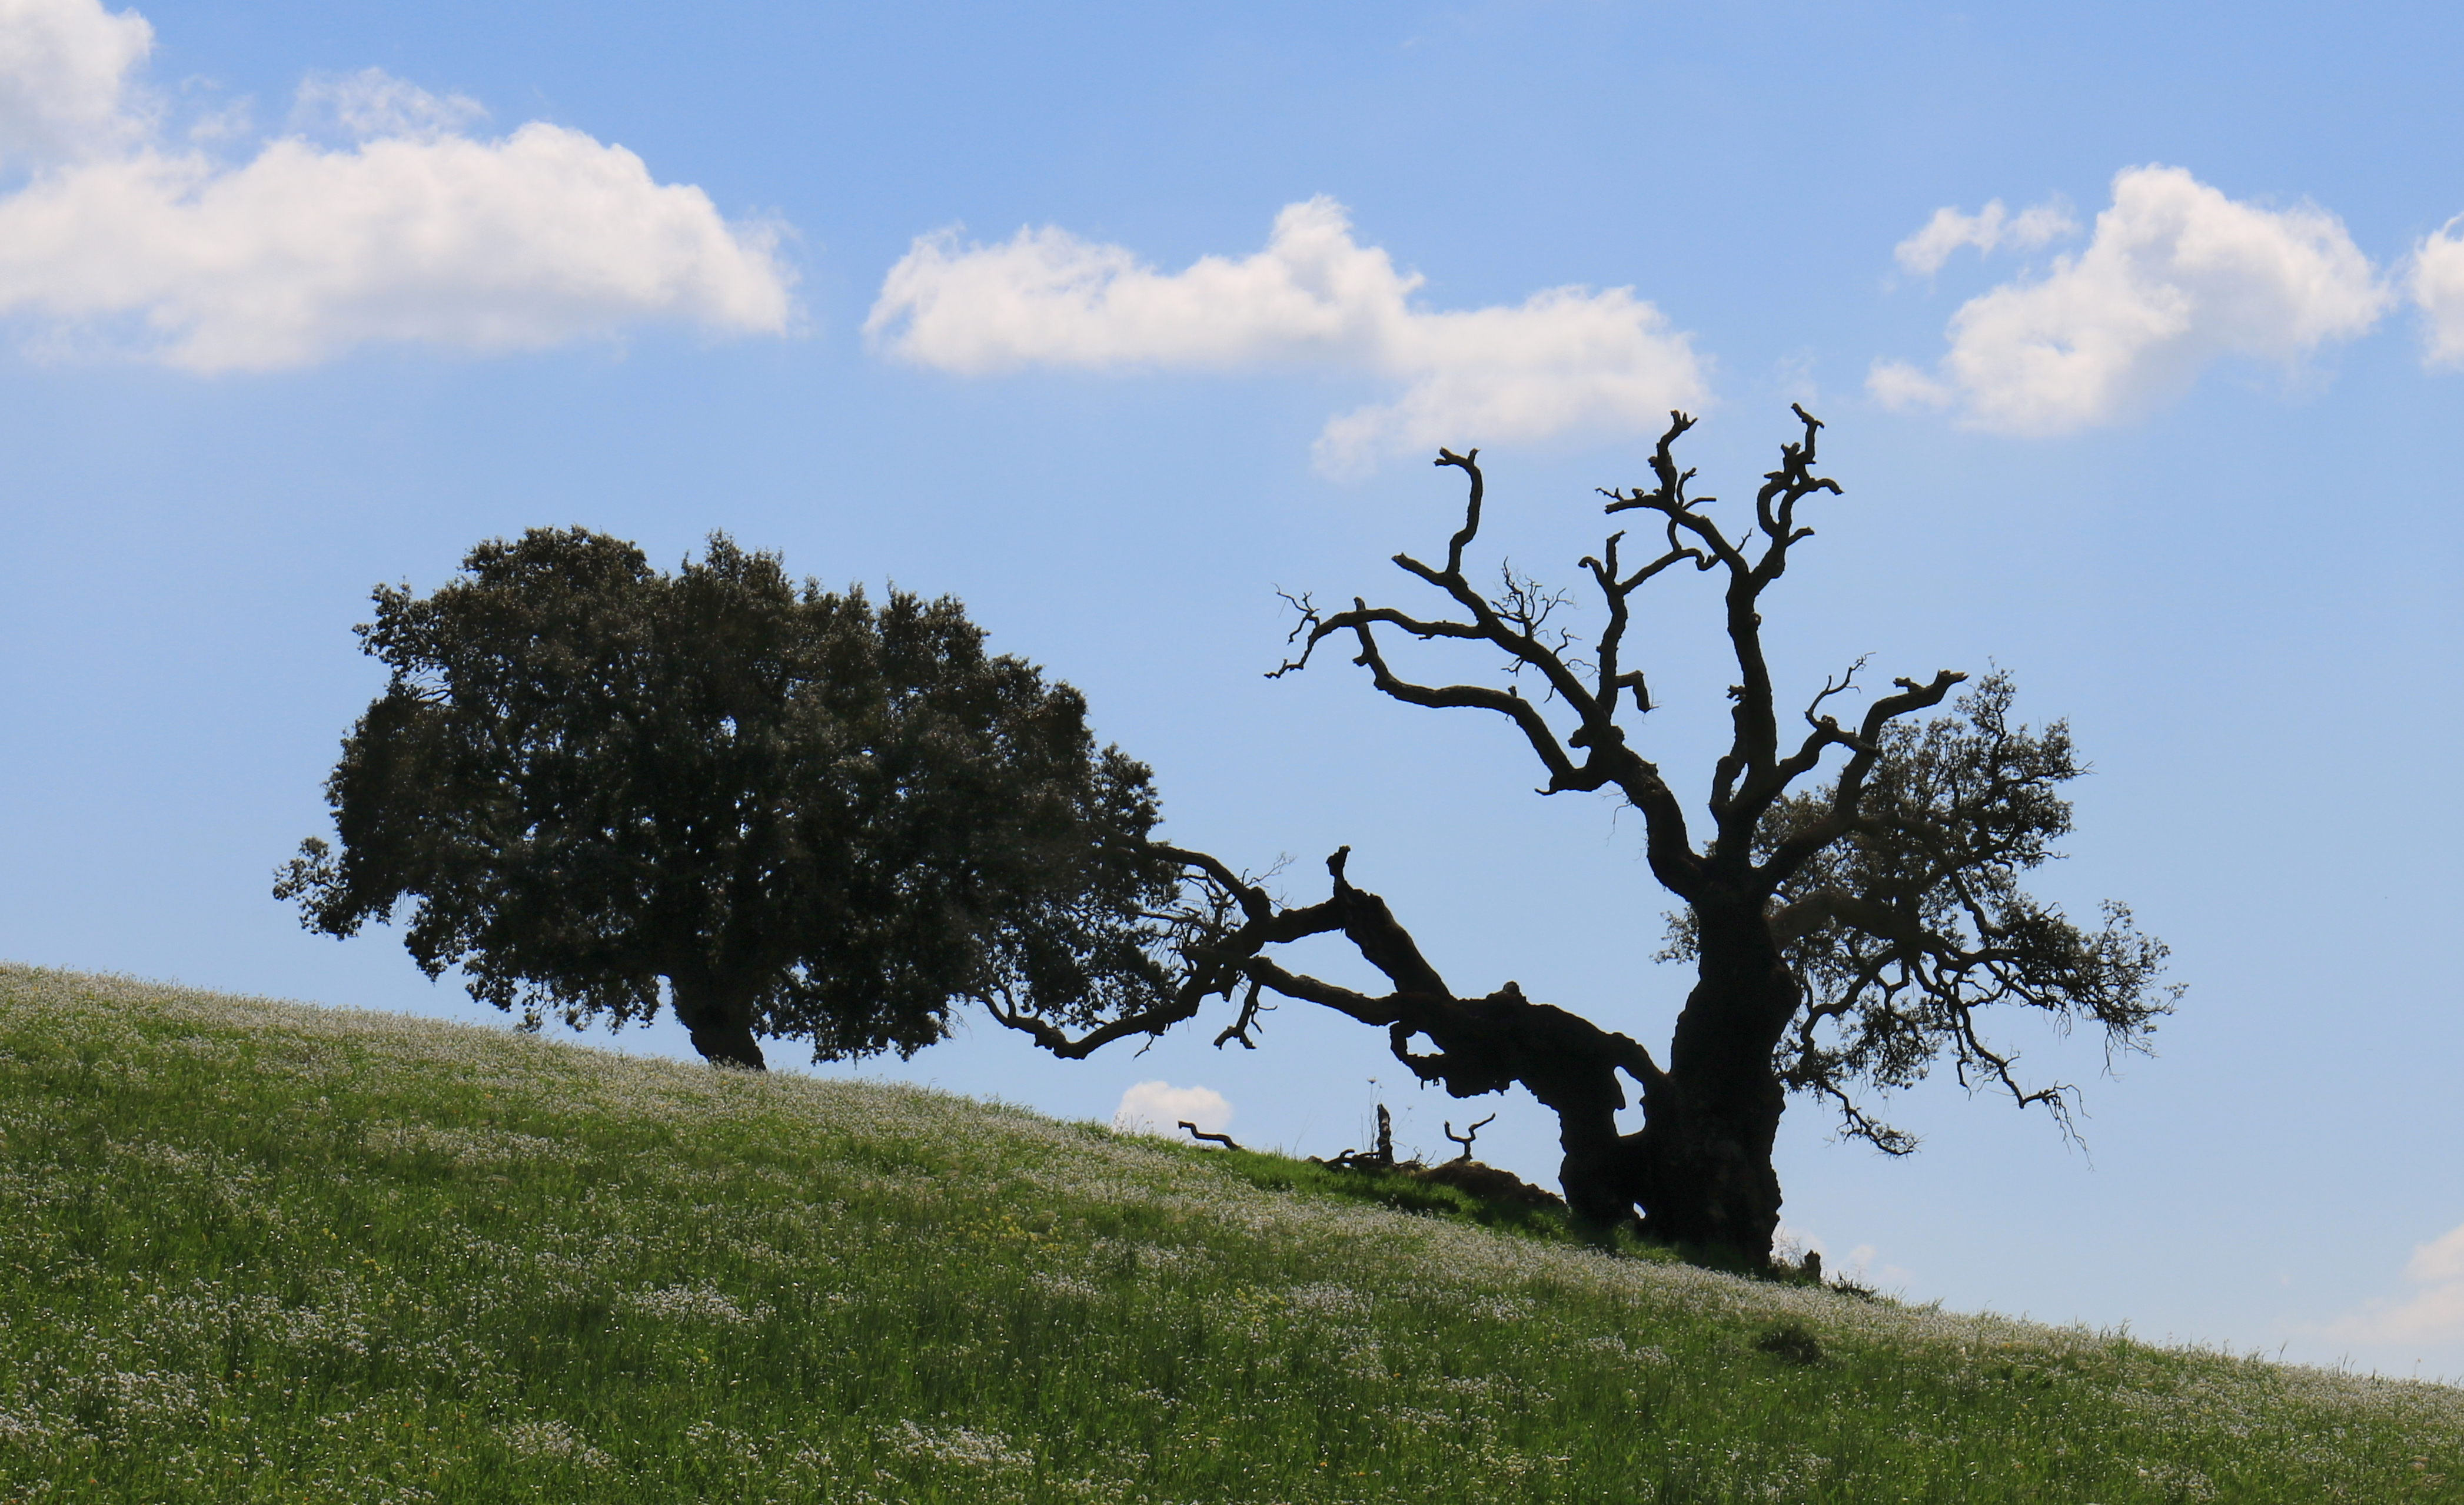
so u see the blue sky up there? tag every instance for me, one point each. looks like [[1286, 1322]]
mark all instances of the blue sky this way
[[2137, 332]]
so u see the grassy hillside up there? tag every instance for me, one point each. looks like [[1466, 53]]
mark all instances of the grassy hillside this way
[[259, 1251]]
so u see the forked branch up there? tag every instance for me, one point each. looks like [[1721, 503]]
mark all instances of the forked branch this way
[[1465, 1137]]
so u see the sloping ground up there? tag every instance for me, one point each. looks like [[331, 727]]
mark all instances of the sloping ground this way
[[257, 1250]]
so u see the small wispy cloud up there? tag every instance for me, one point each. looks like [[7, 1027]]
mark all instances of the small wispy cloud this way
[[407, 230], [371, 104], [2434, 1313], [2436, 283], [1566, 359], [1988, 229], [2176, 276], [1158, 1107]]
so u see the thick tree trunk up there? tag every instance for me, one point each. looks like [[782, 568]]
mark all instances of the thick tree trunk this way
[[719, 1014], [1703, 1162], [1705, 1177]]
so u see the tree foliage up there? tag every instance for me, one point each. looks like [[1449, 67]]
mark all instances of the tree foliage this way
[[1903, 927], [808, 817]]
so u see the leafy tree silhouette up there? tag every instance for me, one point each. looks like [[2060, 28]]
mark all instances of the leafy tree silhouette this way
[[796, 815]]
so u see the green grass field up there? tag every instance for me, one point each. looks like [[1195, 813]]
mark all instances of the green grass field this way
[[263, 1251]]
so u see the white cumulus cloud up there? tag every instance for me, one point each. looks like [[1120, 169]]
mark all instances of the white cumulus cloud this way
[[2175, 276], [1158, 1107], [2432, 1314], [409, 231], [1988, 229], [2438, 287], [64, 80], [1566, 359]]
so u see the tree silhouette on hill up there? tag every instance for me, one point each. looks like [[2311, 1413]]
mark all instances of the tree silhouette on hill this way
[[1852, 914]]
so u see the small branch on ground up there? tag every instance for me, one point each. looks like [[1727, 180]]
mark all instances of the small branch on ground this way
[[1382, 1158], [1196, 1133]]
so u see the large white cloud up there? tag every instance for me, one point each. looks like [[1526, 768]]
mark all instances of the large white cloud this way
[[1566, 359], [2438, 287], [413, 232], [1158, 1107], [2434, 1313], [2176, 276]]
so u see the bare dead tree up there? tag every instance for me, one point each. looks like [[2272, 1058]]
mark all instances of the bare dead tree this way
[[1844, 933]]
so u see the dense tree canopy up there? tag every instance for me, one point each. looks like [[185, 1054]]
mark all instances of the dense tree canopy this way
[[807, 817], [1846, 931]]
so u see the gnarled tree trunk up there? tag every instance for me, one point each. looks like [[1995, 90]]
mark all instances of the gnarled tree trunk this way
[[1703, 1161], [1699, 1171]]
